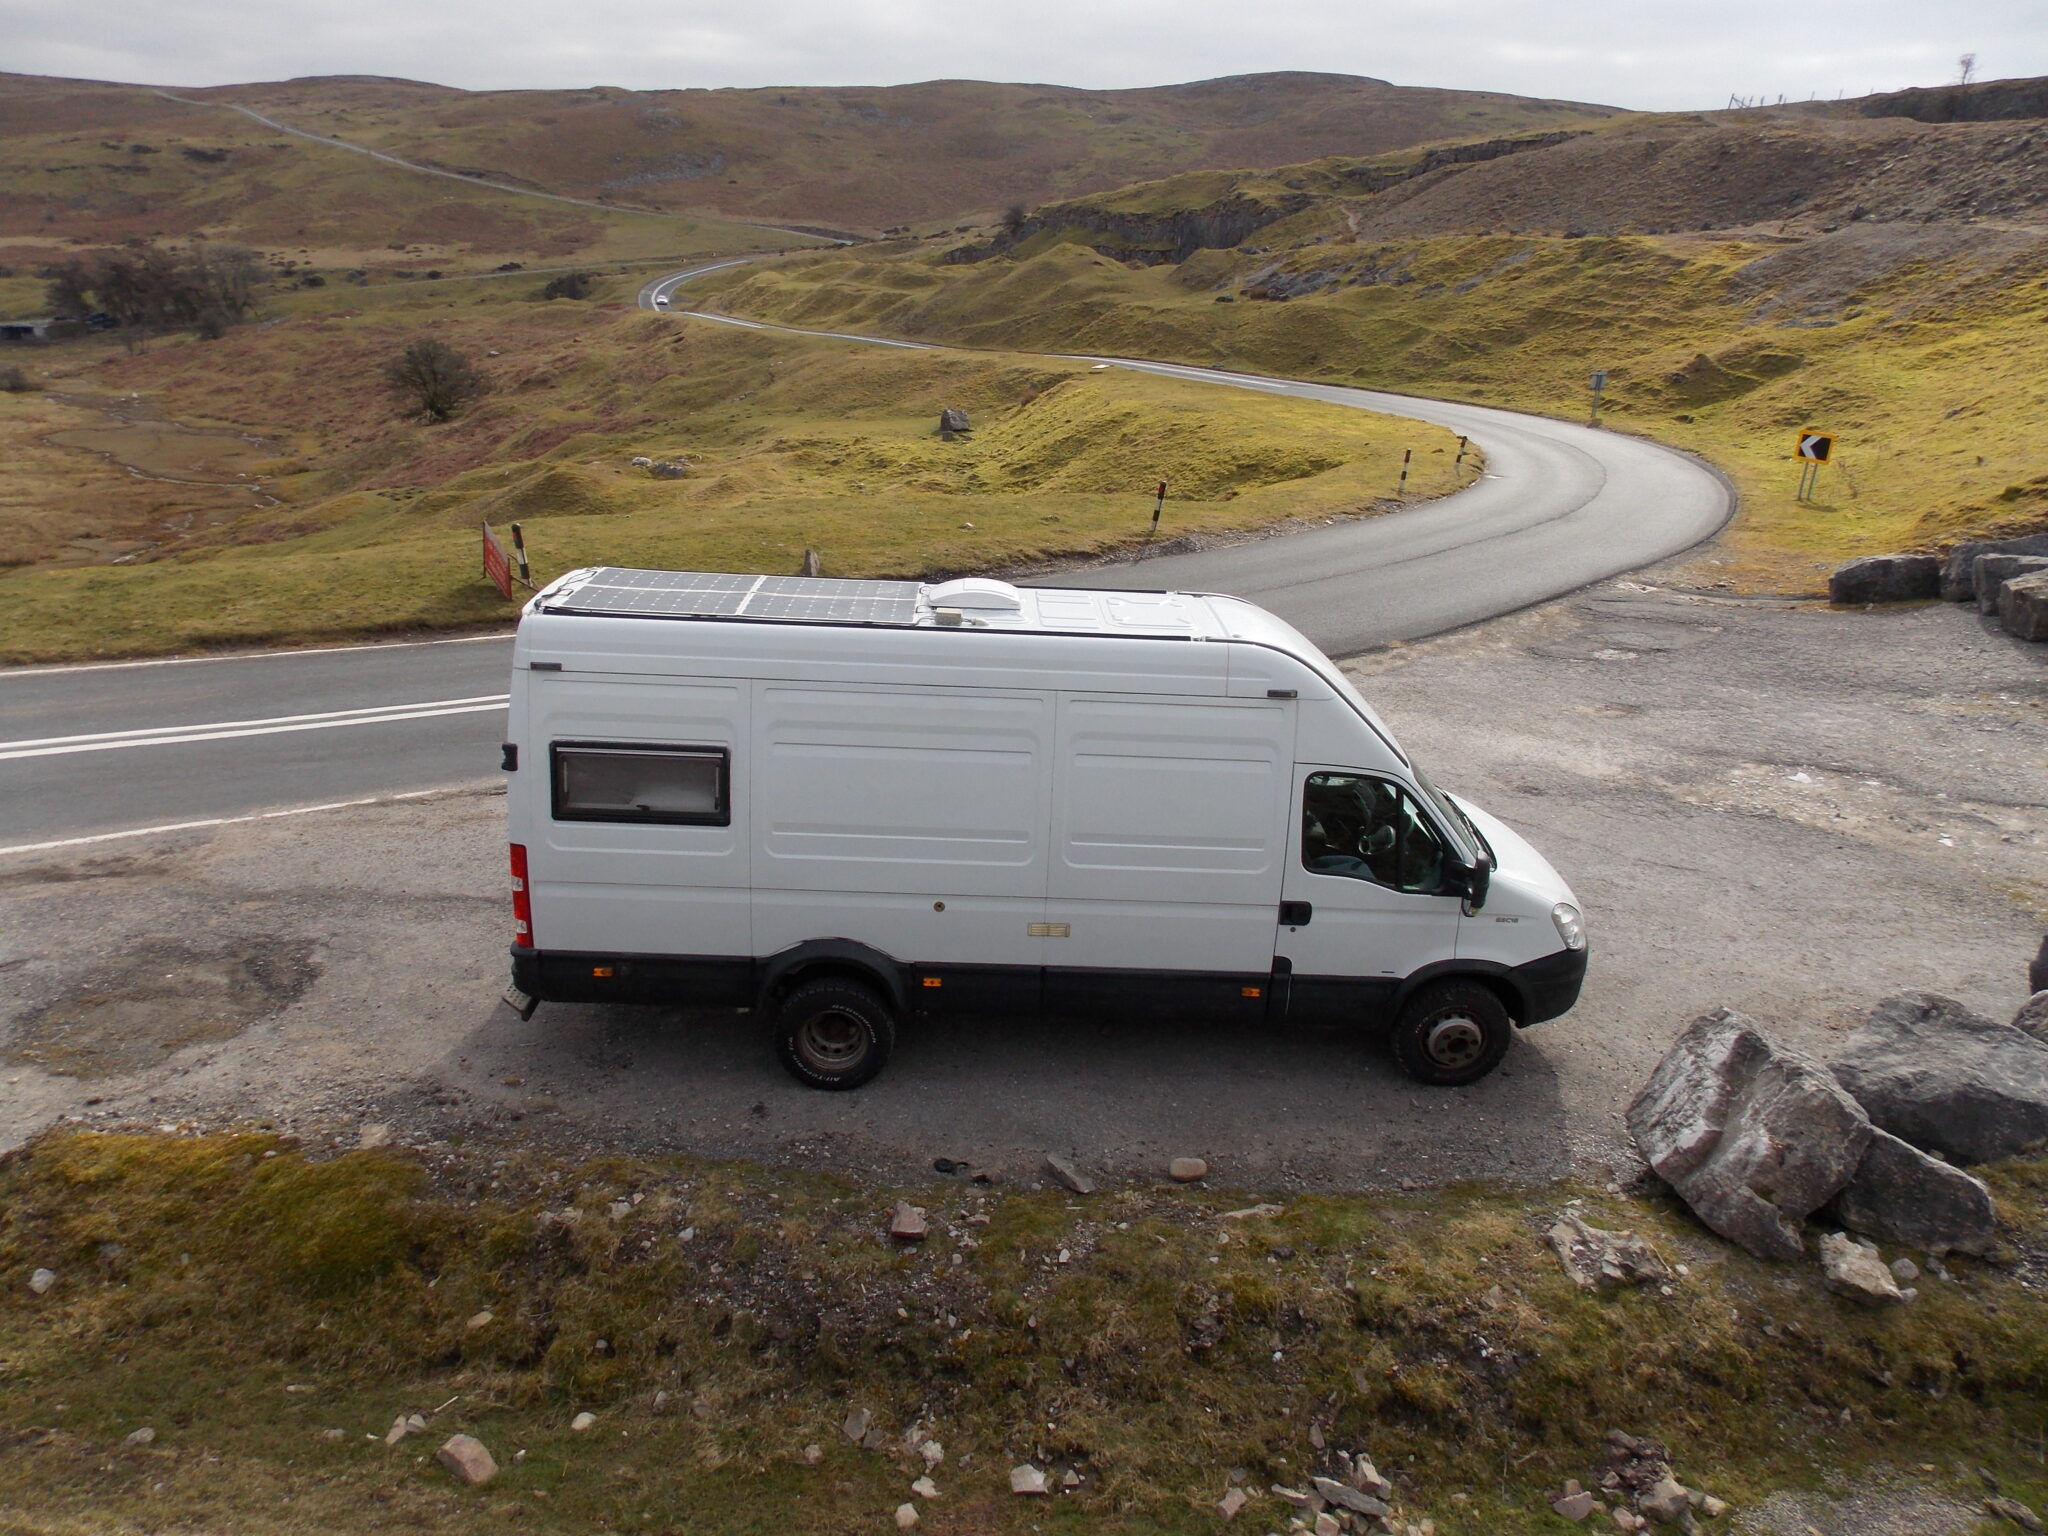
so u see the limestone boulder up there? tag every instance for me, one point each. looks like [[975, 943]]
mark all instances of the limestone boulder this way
[[2023, 607], [1990, 573], [1959, 573], [2032, 1019], [1931, 1072], [1885, 579], [1755, 1137], [1901, 1195]]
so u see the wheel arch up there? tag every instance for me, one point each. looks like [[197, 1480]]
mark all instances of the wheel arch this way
[[815, 959], [1499, 979]]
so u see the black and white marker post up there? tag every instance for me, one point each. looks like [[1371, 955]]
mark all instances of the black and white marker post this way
[[1599, 384]]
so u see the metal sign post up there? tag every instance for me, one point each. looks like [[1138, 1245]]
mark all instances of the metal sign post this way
[[1599, 384], [1158, 506], [1812, 450]]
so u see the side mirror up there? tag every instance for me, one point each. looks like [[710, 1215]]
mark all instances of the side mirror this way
[[1471, 882]]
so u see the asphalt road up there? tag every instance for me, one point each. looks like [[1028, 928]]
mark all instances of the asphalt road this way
[[102, 752]]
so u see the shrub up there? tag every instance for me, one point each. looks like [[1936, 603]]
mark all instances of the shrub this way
[[14, 382], [570, 285]]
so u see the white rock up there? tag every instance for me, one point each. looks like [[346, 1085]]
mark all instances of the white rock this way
[[932, 1452], [465, 1456], [813, 1454], [41, 1281], [479, 1320], [906, 1516], [142, 1436], [1852, 1270], [398, 1431], [925, 1488], [1231, 1503], [1027, 1479], [582, 1421], [1185, 1170]]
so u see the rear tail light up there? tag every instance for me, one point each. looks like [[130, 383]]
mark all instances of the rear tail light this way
[[522, 900]]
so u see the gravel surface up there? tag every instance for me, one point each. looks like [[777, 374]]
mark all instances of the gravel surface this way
[[1782, 808]]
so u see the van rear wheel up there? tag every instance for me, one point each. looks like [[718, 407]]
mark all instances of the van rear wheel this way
[[1452, 1033], [834, 1033]]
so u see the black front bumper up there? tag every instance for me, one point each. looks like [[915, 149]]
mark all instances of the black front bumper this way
[[1551, 985]]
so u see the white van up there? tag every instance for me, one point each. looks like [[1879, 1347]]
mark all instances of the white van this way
[[841, 803]]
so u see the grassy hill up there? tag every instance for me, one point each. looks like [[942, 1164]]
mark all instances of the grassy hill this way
[[859, 158], [90, 164], [1740, 276], [264, 487]]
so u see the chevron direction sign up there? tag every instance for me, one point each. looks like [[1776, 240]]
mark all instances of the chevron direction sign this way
[[1815, 447]]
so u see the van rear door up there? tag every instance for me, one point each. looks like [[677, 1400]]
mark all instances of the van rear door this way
[[1168, 837], [638, 843]]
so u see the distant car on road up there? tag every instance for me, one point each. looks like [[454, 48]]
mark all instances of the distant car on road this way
[[661, 301]]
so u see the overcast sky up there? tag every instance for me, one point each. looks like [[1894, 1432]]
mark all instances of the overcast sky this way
[[1647, 54]]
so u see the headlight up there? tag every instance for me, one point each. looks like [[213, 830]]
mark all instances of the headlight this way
[[1571, 927]]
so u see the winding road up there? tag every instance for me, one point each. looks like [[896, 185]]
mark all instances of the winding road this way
[[97, 754]]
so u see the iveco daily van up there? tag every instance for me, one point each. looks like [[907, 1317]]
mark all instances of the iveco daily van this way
[[841, 803]]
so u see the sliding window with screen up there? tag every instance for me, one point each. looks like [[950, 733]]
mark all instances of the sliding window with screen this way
[[631, 781]]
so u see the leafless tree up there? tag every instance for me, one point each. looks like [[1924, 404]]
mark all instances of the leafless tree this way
[[1966, 69], [144, 287], [434, 379]]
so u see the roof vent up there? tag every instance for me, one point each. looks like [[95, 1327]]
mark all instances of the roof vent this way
[[982, 594]]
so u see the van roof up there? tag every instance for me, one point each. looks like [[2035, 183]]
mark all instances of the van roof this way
[[976, 602]]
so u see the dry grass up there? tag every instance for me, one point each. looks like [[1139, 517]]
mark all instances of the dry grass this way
[[792, 443], [244, 1299]]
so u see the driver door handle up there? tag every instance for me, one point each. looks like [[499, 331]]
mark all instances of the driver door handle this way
[[1295, 914]]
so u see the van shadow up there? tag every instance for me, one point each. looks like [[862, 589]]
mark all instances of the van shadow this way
[[1268, 1106]]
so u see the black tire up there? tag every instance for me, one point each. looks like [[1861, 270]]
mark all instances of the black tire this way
[[834, 1033], [1452, 1032]]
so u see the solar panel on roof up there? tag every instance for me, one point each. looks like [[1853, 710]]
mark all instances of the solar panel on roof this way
[[701, 594], [821, 608]]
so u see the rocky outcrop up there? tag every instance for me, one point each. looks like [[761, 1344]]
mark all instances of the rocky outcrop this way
[[1985, 102], [2023, 607], [1901, 1195], [1377, 178], [1752, 1136], [1154, 238], [1885, 579], [1959, 573], [1931, 1072]]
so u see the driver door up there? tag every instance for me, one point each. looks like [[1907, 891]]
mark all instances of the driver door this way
[[1360, 909]]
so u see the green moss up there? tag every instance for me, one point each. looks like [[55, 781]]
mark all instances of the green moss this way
[[1135, 1336]]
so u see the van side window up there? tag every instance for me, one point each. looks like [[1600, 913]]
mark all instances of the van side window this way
[[1370, 829], [631, 781]]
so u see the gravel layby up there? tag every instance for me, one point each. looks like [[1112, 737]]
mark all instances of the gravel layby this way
[[1775, 807]]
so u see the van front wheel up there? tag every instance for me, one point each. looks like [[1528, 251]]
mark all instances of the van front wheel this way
[[1452, 1033], [834, 1034]]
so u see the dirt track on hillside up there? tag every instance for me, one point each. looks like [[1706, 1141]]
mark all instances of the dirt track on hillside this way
[[1777, 807]]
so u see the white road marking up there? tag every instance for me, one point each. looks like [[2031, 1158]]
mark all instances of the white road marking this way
[[224, 821], [228, 730], [192, 661]]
